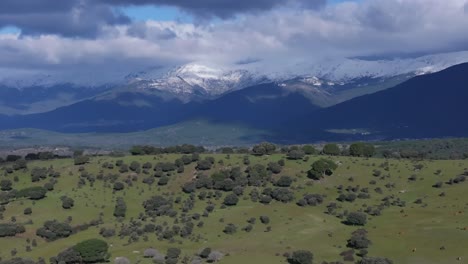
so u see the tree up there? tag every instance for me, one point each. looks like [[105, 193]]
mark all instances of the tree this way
[[205, 252], [231, 200], [204, 164], [296, 154], [20, 164], [10, 230], [361, 149], [118, 186], [81, 160], [67, 202], [93, 250], [322, 167], [120, 208], [53, 230], [301, 257], [32, 193], [309, 150], [6, 185], [264, 148], [331, 149], [284, 181], [356, 219], [359, 240]]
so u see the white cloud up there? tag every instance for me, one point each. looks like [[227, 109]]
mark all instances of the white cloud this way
[[370, 27]]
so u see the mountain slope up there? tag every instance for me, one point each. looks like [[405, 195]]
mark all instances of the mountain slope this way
[[426, 106], [263, 106], [123, 112]]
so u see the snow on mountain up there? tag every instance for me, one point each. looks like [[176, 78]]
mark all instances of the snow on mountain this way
[[208, 79]]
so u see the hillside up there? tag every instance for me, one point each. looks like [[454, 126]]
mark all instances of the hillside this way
[[423, 107], [404, 211]]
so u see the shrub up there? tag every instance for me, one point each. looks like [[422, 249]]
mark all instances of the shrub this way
[[27, 211], [231, 200], [284, 181], [331, 149], [296, 154], [230, 229], [205, 253], [301, 257], [264, 219], [32, 193], [67, 202], [322, 167], [361, 149], [81, 160], [6, 185], [53, 230], [118, 186], [93, 250], [120, 208], [359, 240], [10, 230], [356, 219]]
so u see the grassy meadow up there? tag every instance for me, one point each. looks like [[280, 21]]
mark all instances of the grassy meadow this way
[[411, 234]]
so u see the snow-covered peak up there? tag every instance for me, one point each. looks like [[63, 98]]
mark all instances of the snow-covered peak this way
[[205, 78]]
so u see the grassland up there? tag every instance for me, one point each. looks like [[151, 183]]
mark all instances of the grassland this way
[[412, 234], [193, 132]]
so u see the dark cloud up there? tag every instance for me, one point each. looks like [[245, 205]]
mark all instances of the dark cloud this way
[[35, 6], [69, 18], [86, 18], [220, 8]]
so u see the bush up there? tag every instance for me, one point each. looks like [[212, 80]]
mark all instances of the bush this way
[[32, 193], [205, 253], [296, 154], [6, 185], [264, 148], [274, 167], [118, 186], [204, 164], [93, 250], [359, 240], [356, 219], [361, 149], [10, 230], [20, 164], [322, 167], [67, 202], [120, 208], [283, 195], [284, 181], [264, 219], [331, 149], [53, 230], [81, 160], [27, 211], [301, 257], [230, 229], [231, 200]]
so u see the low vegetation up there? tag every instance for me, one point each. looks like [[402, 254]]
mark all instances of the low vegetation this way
[[271, 204]]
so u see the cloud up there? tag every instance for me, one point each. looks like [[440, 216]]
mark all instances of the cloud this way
[[275, 36], [70, 18], [220, 8]]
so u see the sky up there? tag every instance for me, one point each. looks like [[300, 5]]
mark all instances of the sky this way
[[106, 38]]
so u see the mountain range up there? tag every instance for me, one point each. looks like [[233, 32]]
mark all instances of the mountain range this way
[[354, 98]]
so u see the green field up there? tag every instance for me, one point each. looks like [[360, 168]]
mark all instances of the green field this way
[[411, 234], [198, 132]]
